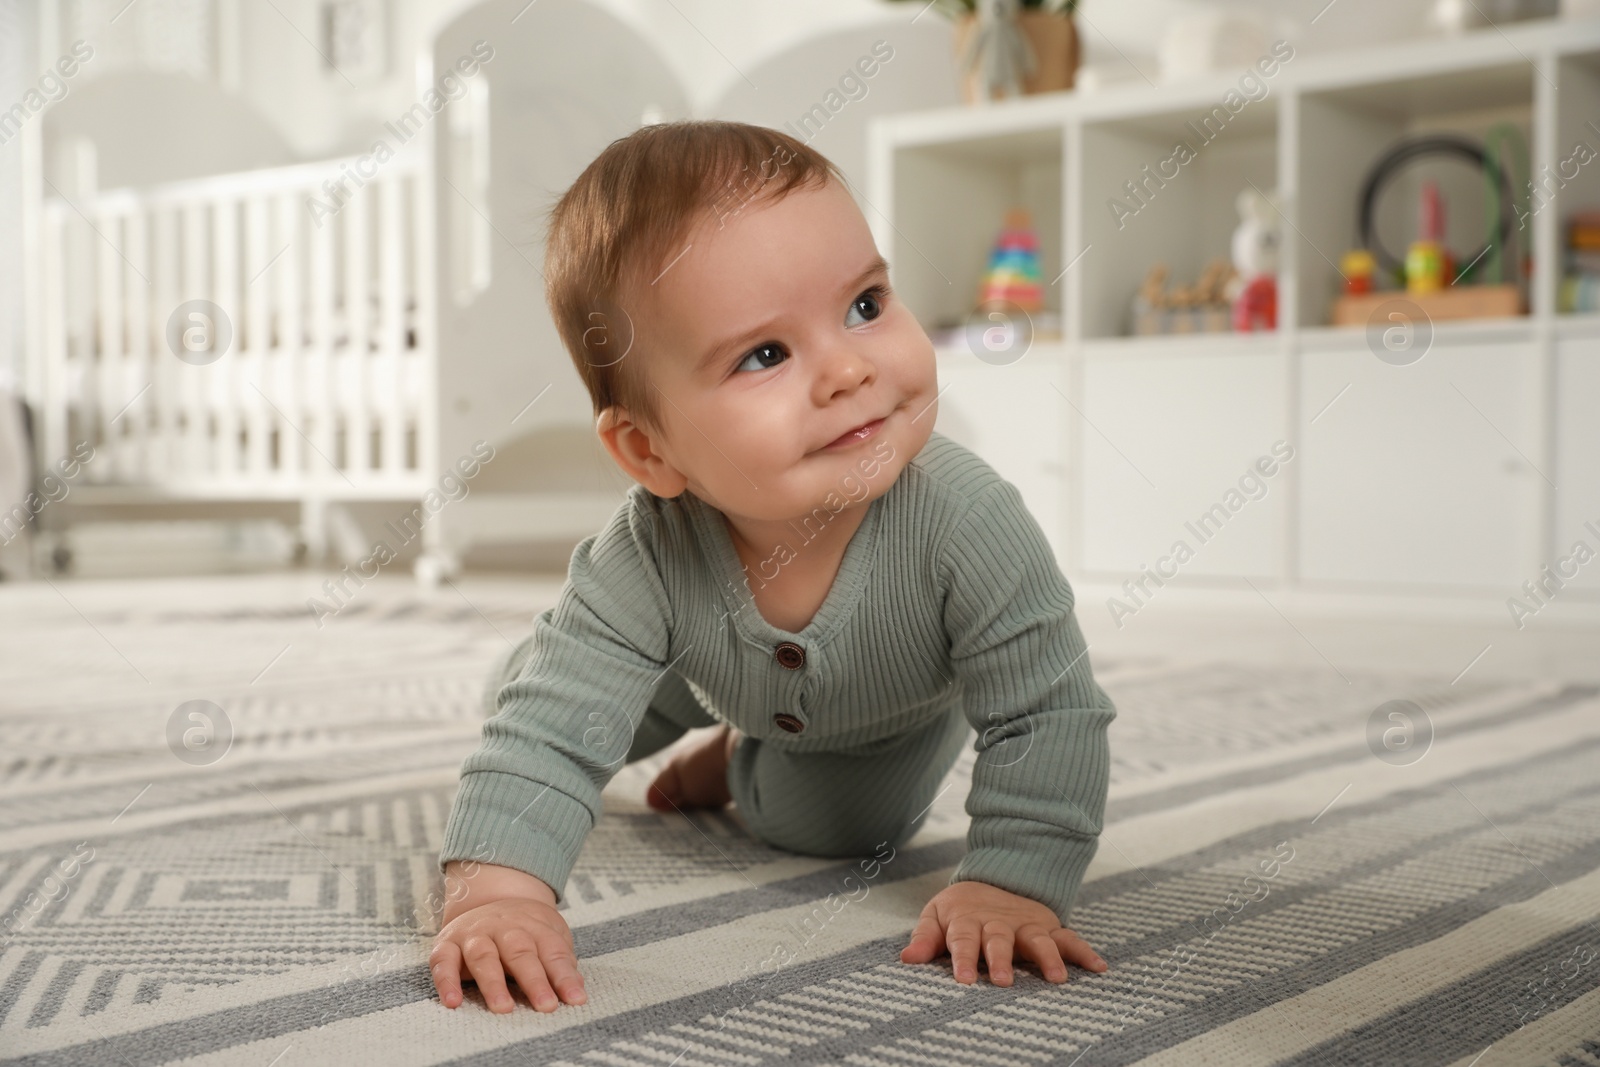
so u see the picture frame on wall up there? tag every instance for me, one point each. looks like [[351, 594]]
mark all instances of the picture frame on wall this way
[[355, 41]]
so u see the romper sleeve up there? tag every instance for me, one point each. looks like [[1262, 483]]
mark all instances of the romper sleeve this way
[[530, 793], [1039, 782]]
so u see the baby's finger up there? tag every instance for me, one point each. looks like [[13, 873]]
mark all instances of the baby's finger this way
[[1077, 950], [561, 966], [998, 939], [1041, 948], [927, 940], [520, 952], [482, 957], [963, 936], [444, 962]]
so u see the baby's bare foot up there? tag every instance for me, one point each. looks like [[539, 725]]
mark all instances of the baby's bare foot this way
[[697, 776]]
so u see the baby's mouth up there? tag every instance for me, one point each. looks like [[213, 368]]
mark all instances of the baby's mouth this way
[[854, 437]]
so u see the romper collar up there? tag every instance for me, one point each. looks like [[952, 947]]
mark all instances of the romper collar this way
[[842, 598]]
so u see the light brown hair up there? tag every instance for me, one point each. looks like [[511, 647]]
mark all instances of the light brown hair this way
[[612, 231]]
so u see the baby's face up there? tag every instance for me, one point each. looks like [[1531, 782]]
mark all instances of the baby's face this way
[[770, 338]]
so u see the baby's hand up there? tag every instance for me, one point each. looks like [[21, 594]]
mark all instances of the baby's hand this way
[[524, 932], [969, 914]]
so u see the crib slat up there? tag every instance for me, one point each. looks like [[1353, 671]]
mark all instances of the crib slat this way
[[171, 396], [289, 352], [57, 365], [79, 267], [320, 378], [139, 382], [428, 397], [357, 312], [258, 416], [408, 378], [198, 401], [107, 313], [224, 372], [392, 259]]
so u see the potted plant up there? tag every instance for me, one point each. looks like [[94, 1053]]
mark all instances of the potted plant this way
[[1006, 47]]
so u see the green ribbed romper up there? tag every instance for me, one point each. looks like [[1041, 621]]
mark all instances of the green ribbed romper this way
[[949, 623]]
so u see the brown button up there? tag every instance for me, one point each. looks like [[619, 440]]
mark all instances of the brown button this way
[[791, 655], [788, 722]]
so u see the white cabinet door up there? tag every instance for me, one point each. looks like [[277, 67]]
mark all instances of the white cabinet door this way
[[1421, 475], [1578, 461], [1168, 444], [1012, 416]]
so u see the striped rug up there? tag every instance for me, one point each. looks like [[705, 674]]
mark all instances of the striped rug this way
[[1267, 889]]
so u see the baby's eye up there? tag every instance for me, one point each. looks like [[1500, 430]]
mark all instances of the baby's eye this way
[[762, 354], [869, 304]]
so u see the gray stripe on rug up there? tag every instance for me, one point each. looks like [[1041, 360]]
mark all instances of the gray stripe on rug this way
[[1096, 998], [1162, 799], [300, 1011], [1244, 999], [1478, 1009]]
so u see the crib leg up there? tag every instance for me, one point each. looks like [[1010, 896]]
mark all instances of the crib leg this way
[[17, 556], [51, 553], [311, 542], [436, 562], [434, 566]]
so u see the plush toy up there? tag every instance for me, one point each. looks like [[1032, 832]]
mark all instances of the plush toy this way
[[998, 51], [1254, 291]]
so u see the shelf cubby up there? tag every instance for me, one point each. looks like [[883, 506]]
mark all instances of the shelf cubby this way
[[1143, 204], [1572, 181], [1436, 473], [1344, 129], [953, 195]]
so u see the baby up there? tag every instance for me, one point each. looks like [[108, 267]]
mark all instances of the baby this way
[[804, 564]]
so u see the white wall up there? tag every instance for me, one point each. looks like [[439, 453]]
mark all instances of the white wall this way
[[565, 81], [786, 85], [270, 55]]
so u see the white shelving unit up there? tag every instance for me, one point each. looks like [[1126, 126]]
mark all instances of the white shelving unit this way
[[1459, 476]]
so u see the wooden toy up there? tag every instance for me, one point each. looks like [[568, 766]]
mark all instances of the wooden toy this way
[[1428, 264], [1358, 266], [1200, 308]]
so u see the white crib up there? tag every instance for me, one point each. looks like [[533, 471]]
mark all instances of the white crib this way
[[325, 389], [324, 382], [369, 354]]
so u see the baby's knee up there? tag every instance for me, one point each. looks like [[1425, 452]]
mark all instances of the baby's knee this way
[[835, 835]]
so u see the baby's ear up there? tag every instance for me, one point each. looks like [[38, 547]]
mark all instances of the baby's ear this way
[[636, 451], [616, 428]]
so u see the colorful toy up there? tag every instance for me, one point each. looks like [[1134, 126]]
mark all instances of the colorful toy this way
[[1358, 266], [1432, 274], [1254, 293], [1429, 266], [1580, 284], [1013, 275]]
